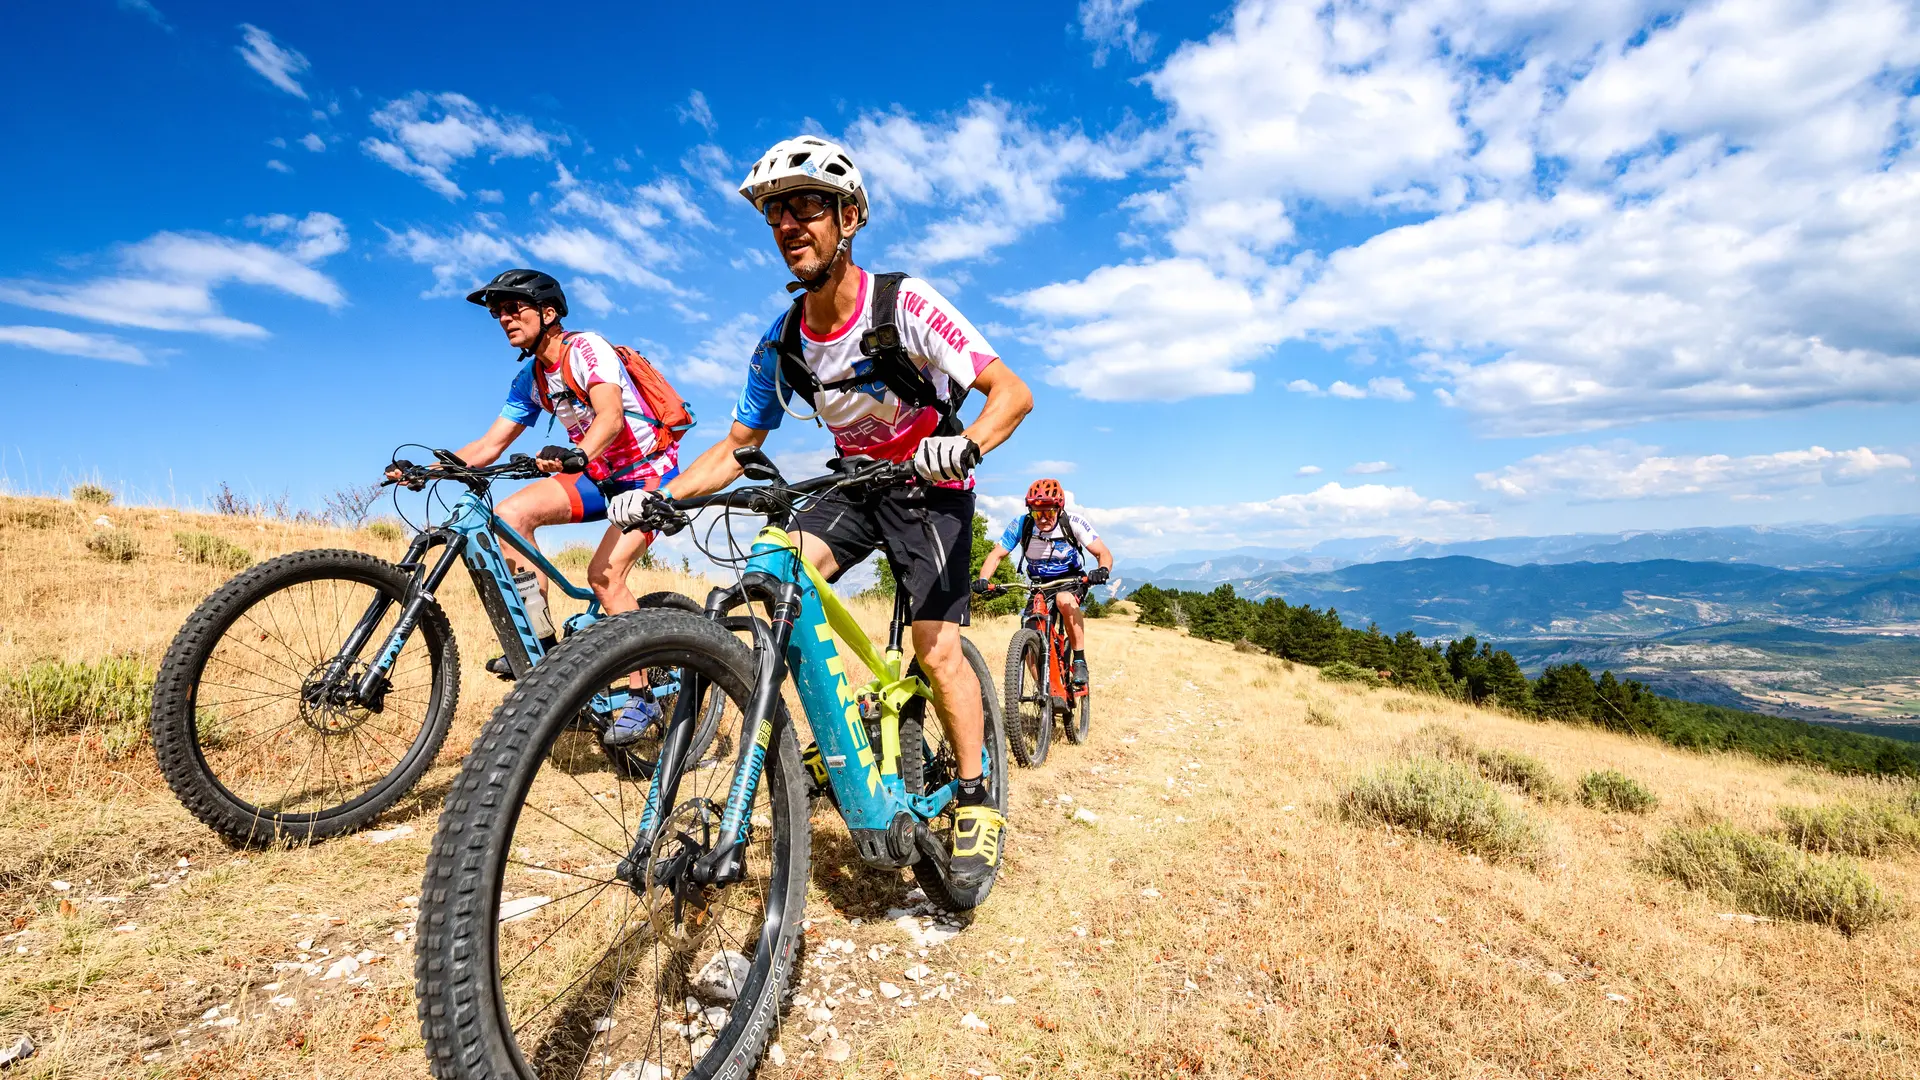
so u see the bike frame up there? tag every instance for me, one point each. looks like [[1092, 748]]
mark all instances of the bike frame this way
[[1045, 617], [888, 824], [471, 533]]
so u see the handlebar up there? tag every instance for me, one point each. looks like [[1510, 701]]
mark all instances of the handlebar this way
[[1055, 585], [775, 499], [448, 466]]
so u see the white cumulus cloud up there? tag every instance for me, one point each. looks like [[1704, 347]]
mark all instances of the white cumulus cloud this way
[[1626, 470], [1618, 213], [168, 281], [278, 64], [426, 136], [67, 343], [1114, 26]]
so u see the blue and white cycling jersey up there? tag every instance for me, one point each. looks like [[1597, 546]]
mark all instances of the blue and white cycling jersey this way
[[1050, 553]]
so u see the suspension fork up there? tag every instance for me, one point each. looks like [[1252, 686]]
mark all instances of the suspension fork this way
[[418, 598]]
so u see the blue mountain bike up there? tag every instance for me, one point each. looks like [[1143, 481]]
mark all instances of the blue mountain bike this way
[[306, 696], [575, 925]]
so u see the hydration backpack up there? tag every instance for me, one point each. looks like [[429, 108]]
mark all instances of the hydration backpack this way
[[672, 416], [1066, 531], [881, 343]]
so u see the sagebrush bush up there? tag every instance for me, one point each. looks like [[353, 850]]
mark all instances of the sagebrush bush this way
[[573, 557], [1846, 828], [1345, 671], [1769, 878], [1523, 771], [114, 546], [385, 530], [1321, 714], [91, 493], [58, 697], [36, 517], [1443, 800], [206, 549], [1607, 789], [1440, 741]]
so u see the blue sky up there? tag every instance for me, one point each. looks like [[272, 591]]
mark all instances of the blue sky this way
[[1277, 272]]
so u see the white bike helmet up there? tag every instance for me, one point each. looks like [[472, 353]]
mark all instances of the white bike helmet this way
[[805, 162]]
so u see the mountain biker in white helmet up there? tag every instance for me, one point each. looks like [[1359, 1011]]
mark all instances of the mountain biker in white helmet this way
[[883, 395]]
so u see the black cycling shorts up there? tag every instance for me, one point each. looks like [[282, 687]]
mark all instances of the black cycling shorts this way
[[925, 532]]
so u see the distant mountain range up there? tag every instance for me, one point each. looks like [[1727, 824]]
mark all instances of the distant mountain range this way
[[1458, 595], [1880, 543]]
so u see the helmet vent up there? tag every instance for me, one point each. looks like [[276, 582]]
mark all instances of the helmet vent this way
[[798, 160], [836, 168]]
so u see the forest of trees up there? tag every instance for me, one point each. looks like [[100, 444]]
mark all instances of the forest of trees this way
[[1471, 670]]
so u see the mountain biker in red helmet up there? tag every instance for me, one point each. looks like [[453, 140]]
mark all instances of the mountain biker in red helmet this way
[[1050, 541], [615, 447]]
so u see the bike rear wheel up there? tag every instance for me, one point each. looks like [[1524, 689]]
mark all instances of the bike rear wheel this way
[[540, 957], [934, 764], [1029, 706], [258, 740]]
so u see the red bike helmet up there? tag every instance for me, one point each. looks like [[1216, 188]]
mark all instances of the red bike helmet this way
[[1046, 492]]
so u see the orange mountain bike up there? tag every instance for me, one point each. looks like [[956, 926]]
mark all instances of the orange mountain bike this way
[[1040, 673]]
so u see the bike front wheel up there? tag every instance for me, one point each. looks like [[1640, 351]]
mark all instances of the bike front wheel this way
[[256, 725], [1029, 705], [928, 761], [554, 941]]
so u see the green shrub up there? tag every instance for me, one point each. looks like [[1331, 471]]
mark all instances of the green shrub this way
[[58, 697], [1846, 828], [1321, 714], [1440, 741], [1445, 801], [1606, 789], [573, 557], [1345, 671], [114, 546], [206, 549], [1770, 878], [385, 530], [91, 493], [1523, 771]]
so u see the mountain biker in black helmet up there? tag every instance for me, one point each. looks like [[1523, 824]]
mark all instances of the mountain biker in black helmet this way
[[616, 448]]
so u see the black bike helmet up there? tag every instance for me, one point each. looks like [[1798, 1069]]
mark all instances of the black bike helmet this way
[[536, 288]]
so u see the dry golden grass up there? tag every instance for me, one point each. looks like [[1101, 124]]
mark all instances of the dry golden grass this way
[[1216, 919]]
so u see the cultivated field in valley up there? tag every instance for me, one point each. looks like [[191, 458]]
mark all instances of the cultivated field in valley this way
[[1182, 897]]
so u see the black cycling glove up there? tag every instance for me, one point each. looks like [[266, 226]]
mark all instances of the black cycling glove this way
[[571, 458], [1099, 576], [982, 586]]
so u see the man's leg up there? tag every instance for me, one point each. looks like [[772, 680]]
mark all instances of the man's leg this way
[[1076, 619], [956, 690], [612, 560]]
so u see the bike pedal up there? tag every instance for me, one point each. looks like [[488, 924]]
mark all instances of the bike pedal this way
[[500, 669]]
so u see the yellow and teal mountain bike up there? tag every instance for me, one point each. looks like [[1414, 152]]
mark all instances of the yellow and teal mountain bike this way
[[577, 923]]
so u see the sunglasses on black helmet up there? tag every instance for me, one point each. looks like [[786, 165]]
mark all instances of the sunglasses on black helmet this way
[[505, 305], [803, 205]]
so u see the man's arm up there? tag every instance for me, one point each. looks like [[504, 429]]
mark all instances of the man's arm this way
[[715, 467], [993, 562], [1008, 402], [487, 449], [1098, 549]]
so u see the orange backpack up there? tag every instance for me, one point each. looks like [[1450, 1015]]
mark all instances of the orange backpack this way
[[672, 416]]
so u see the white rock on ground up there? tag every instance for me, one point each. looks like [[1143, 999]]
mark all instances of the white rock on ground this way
[[341, 968], [523, 908], [21, 1050], [918, 972], [1150, 893], [381, 836], [837, 1051], [723, 975], [973, 1023], [1086, 817], [638, 1070], [889, 991], [777, 1054]]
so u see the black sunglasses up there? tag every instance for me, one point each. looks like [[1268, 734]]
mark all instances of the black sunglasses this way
[[506, 306], [803, 205]]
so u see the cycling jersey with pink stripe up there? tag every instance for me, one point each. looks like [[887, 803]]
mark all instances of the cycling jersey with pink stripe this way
[[593, 362], [868, 418]]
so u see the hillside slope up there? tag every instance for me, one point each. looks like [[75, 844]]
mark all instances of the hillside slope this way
[[1217, 917]]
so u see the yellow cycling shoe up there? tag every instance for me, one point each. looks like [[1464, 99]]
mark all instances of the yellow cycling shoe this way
[[976, 845]]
